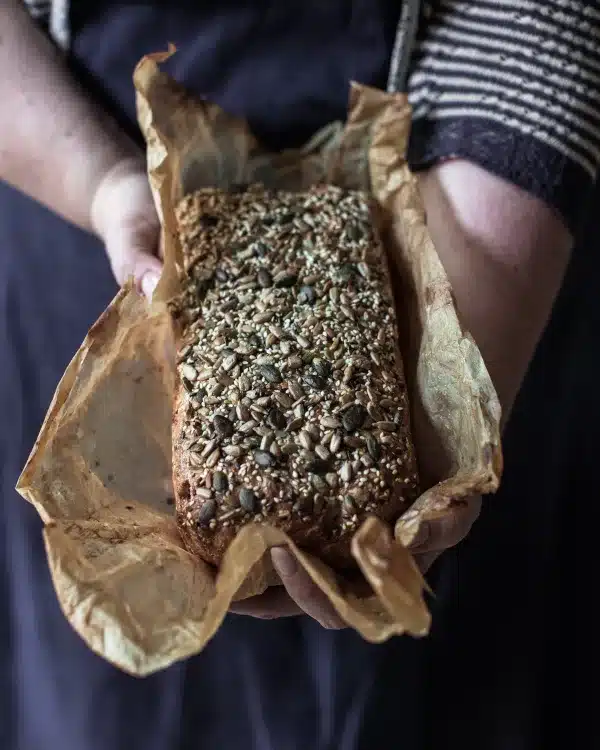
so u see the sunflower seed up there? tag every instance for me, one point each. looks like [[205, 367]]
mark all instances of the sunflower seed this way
[[312, 279], [242, 412], [248, 427], [386, 426], [305, 440], [229, 362], [330, 422], [284, 279], [232, 450], [346, 472], [363, 270], [295, 389], [336, 443], [189, 372], [322, 452], [294, 425], [213, 459], [209, 448], [283, 399], [216, 390], [348, 374], [195, 461], [295, 362], [303, 341], [373, 447], [204, 492], [263, 317]]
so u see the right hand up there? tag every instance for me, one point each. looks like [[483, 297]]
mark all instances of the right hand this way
[[124, 217]]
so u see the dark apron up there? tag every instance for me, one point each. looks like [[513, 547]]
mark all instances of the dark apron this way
[[487, 677]]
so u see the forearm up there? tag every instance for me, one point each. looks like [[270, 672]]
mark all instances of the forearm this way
[[56, 145], [505, 253]]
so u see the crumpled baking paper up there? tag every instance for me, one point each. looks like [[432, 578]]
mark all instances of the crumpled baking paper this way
[[100, 472]]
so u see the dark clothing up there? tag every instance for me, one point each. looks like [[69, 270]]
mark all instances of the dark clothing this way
[[492, 675]]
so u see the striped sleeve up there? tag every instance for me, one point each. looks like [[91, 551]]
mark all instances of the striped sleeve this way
[[514, 86], [39, 10]]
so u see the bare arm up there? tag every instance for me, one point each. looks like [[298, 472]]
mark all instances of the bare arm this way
[[60, 148], [56, 145], [506, 253]]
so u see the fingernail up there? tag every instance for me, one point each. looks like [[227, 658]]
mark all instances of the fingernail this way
[[149, 282], [284, 562], [421, 536]]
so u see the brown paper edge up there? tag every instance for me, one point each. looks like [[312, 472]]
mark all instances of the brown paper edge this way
[[393, 575]]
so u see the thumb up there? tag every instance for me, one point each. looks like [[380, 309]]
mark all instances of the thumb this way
[[129, 261], [444, 531], [124, 216]]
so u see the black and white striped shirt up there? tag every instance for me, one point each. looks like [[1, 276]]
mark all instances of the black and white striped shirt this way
[[513, 85]]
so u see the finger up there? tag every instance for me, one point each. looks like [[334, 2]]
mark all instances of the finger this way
[[426, 560], [275, 602], [438, 534], [307, 595], [130, 259]]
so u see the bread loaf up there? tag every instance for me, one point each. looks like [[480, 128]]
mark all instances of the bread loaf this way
[[292, 406]]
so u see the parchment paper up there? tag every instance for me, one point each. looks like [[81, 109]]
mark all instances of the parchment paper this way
[[100, 472]]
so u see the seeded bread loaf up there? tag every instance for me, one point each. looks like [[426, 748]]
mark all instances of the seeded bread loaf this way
[[292, 406]]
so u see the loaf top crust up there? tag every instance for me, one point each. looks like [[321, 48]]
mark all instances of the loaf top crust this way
[[292, 405]]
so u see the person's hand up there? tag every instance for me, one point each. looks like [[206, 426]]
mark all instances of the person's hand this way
[[124, 217], [299, 595]]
